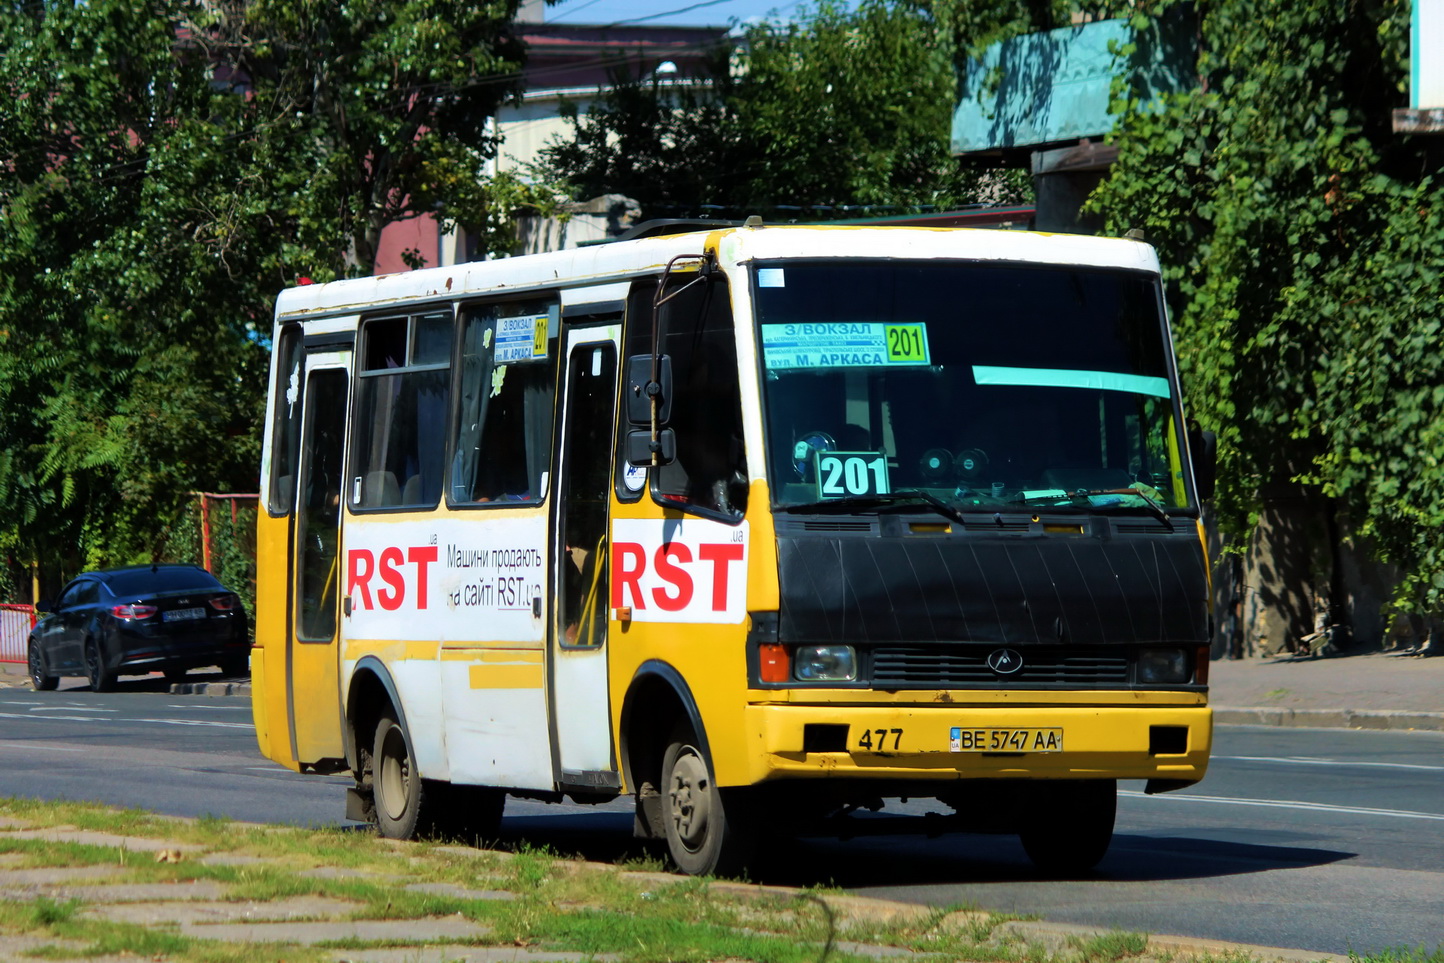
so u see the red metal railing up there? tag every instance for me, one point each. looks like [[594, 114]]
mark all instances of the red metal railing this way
[[16, 621]]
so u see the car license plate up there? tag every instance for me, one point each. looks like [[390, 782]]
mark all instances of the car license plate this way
[[180, 615], [1005, 740]]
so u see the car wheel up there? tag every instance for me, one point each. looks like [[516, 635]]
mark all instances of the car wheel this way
[[101, 678], [1070, 826], [39, 679], [404, 801], [710, 831]]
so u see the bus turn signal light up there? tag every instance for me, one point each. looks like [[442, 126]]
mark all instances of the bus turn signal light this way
[[773, 663]]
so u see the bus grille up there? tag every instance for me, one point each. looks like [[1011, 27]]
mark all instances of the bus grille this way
[[961, 666]]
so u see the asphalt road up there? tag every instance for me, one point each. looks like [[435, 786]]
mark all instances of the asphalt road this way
[[1322, 840]]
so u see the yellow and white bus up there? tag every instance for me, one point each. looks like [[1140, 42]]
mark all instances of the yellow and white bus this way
[[761, 526]]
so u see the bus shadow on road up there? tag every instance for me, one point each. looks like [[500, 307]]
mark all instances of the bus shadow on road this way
[[961, 858], [918, 860]]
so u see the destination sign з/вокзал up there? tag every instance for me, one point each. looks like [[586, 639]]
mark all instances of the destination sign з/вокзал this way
[[844, 344]]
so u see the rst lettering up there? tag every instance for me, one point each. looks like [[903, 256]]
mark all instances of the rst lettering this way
[[668, 579], [675, 577], [721, 557], [693, 570], [403, 574]]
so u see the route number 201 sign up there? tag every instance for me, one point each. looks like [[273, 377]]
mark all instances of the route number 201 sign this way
[[841, 474]]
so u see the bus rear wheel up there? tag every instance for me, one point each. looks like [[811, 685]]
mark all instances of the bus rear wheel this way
[[403, 802], [1070, 825], [709, 830]]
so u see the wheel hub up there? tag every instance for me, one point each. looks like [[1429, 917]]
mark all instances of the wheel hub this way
[[690, 794], [392, 777]]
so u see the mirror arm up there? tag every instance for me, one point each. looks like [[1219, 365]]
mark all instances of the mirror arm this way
[[654, 387]]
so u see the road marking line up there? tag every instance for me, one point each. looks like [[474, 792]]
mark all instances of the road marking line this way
[[1291, 804], [159, 722], [222, 708], [193, 722], [35, 745], [34, 718], [1301, 761], [70, 708]]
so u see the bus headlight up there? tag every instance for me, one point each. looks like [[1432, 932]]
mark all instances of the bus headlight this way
[[824, 663], [1164, 666]]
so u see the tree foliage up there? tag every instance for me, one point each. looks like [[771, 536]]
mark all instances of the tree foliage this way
[[377, 110], [165, 167], [1305, 261], [841, 110]]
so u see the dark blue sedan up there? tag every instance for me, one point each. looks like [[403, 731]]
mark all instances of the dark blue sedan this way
[[132, 621]]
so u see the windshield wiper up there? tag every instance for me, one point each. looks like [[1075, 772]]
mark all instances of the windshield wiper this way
[[884, 499], [1148, 500]]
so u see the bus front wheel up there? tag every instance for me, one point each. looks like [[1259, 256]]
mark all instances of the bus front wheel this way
[[709, 830], [1070, 824], [402, 800]]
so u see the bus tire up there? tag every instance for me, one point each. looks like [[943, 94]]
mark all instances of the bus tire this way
[[1069, 829], [709, 830], [402, 800]]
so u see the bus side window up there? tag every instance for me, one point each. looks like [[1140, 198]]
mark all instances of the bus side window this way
[[503, 435], [403, 395], [286, 424], [710, 473]]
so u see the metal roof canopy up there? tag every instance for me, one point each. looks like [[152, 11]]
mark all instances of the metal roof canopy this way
[[1053, 88]]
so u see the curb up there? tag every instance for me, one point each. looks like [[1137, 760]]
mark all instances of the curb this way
[[1396, 720], [1184, 945], [211, 688]]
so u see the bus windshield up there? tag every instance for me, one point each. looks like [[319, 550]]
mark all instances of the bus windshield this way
[[973, 386]]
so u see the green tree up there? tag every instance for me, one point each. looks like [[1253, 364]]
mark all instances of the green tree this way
[[370, 112], [840, 109], [167, 166], [1304, 253]]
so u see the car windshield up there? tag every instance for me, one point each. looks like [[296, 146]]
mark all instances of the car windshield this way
[[144, 581], [985, 385]]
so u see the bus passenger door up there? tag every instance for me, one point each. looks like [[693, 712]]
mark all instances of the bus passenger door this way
[[313, 702], [581, 718]]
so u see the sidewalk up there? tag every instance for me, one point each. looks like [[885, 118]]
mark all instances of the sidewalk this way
[[1379, 690], [85, 884]]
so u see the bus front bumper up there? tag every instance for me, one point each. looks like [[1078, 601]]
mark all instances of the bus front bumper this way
[[1169, 744]]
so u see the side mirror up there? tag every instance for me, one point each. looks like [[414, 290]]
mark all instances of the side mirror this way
[[643, 397], [641, 390], [1203, 446], [639, 447]]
